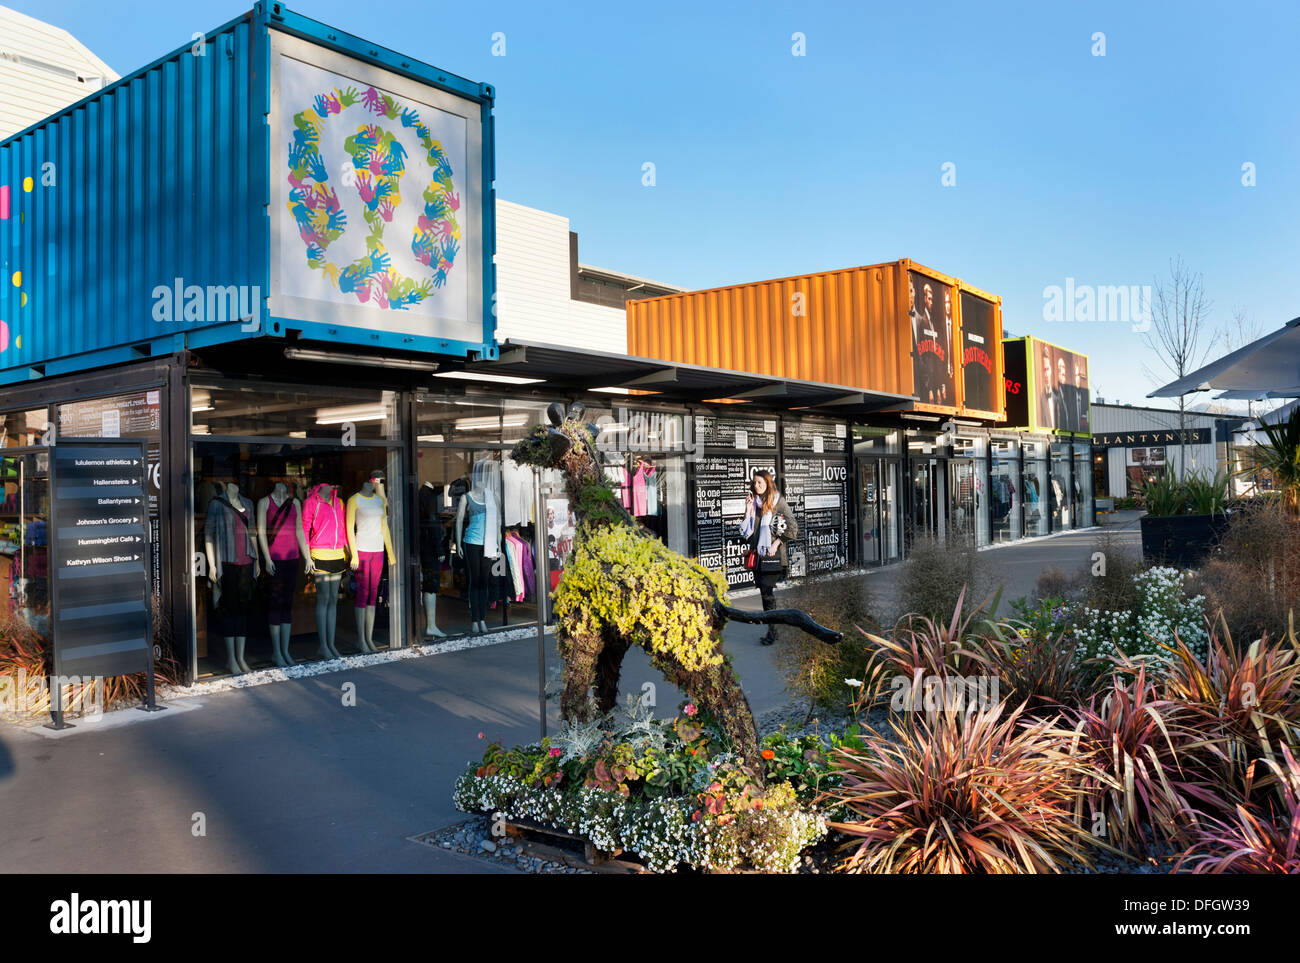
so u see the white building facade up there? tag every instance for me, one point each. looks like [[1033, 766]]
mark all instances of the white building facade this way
[[1132, 445], [42, 69]]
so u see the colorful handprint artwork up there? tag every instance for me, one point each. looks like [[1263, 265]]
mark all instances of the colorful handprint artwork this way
[[366, 175]]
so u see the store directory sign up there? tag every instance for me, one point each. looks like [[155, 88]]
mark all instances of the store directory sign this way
[[99, 553]]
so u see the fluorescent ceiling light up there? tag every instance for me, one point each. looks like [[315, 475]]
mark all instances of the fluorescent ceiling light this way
[[430, 438], [373, 361], [494, 378], [489, 422], [345, 413], [611, 391]]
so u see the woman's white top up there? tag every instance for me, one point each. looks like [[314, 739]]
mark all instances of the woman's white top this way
[[370, 523]]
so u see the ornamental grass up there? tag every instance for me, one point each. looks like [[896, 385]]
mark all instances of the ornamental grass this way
[[1245, 702], [1259, 837], [930, 647], [982, 791], [1140, 795]]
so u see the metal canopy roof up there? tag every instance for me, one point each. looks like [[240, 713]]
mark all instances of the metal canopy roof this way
[[1266, 368], [566, 368]]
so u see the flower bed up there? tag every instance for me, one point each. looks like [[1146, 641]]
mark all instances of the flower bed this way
[[668, 791]]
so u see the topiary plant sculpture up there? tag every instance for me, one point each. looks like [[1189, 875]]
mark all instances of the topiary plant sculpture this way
[[623, 587]]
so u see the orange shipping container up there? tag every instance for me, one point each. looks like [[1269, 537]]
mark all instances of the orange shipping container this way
[[892, 327]]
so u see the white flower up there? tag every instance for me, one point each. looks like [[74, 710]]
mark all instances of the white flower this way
[[853, 683]]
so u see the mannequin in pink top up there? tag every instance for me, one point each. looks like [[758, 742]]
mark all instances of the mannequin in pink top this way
[[283, 542], [322, 520]]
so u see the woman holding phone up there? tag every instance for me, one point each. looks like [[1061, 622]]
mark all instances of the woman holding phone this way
[[767, 525]]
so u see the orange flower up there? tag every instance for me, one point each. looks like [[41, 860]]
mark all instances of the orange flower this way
[[769, 754]]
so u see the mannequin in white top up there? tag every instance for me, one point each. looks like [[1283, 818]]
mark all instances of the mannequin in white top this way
[[284, 549], [370, 542]]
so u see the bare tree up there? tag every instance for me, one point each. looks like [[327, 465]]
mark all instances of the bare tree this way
[[1238, 333], [1179, 312], [1242, 330]]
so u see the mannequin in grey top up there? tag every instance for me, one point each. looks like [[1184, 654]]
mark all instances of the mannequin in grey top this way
[[232, 568]]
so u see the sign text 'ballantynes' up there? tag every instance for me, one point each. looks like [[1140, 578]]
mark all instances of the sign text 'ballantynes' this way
[[1140, 439]]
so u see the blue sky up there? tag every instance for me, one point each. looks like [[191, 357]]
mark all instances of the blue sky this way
[[1067, 164]]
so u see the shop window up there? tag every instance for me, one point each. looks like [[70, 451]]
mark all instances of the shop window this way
[[1060, 492], [281, 411], [1036, 488], [968, 485], [1006, 491], [519, 417], [24, 535], [19, 429], [876, 441], [1083, 488], [477, 522], [644, 459], [294, 541]]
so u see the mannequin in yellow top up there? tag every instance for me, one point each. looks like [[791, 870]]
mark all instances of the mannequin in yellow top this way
[[370, 542]]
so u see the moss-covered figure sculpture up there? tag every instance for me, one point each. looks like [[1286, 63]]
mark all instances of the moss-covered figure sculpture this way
[[623, 587]]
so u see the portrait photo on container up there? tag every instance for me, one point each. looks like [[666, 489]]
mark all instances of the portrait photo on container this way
[[931, 318]]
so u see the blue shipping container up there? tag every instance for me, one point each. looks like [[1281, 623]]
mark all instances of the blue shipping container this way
[[275, 178]]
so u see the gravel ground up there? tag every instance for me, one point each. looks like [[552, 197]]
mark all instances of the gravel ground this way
[[473, 837]]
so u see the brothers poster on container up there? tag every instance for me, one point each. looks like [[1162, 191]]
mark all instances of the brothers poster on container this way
[[376, 190], [930, 314], [979, 352]]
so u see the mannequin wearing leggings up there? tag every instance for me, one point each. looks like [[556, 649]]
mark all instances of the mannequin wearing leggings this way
[[371, 543], [322, 513], [282, 540], [478, 521]]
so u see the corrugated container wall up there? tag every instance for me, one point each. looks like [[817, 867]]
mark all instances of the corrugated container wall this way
[[837, 327], [157, 177], [177, 177], [850, 327]]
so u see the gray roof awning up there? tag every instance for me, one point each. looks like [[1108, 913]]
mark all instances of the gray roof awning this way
[[1266, 368], [565, 368]]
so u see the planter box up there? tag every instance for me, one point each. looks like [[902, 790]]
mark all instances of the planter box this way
[[1180, 540]]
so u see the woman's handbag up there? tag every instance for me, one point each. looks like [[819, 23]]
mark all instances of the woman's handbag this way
[[749, 558], [771, 565]]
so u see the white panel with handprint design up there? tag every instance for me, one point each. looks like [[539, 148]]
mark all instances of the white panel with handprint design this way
[[376, 198]]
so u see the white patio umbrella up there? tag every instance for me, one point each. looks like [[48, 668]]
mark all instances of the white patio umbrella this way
[[1266, 368]]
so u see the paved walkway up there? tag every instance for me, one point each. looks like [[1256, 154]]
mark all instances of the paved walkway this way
[[287, 778]]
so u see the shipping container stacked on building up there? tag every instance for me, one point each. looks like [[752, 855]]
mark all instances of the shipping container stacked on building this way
[[201, 199], [894, 327], [270, 256]]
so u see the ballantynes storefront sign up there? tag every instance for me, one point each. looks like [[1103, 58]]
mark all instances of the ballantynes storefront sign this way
[[1141, 439]]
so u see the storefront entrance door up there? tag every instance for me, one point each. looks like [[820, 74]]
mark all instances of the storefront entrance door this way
[[928, 498], [965, 498], [877, 511]]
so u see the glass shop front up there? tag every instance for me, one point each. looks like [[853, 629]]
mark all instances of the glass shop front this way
[[292, 521]]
